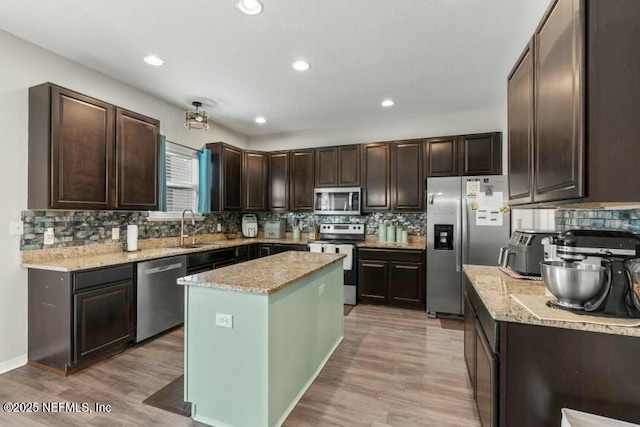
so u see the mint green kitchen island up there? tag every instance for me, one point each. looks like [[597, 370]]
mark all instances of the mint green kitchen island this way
[[258, 333]]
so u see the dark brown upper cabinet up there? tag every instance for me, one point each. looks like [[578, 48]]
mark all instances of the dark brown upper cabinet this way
[[88, 154], [559, 103], [376, 177], [406, 175], [226, 188], [256, 179], [520, 133], [585, 129], [476, 154], [301, 180], [481, 154], [326, 167], [338, 166], [441, 156], [279, 181], [137, 160]]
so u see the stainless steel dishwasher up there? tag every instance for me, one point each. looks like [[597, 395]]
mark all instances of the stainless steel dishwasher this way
[[160, 299]]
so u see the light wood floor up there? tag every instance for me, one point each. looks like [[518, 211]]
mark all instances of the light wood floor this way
[[394, 368]]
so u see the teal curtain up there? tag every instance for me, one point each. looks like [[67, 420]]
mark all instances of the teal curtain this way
[[204, 181], [162, 175]]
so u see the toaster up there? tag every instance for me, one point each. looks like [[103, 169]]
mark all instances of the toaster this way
[[275, 229]]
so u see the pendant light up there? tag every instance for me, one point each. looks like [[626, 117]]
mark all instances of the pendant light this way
[[196, 119]]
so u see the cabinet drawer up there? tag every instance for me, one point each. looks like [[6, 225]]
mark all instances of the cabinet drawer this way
[[391, 255], [102, 276]]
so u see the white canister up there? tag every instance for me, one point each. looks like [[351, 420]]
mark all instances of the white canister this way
[[398, 234], [405, 236], [391, 233], [132, 238], [382, 232]]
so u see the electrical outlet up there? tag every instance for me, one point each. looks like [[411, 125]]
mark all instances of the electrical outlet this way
[[224, 320], [219, 227], [115, 233], [49, 236], [16, 228], [321, 290]]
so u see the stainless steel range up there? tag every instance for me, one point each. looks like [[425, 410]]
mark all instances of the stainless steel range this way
[[342, 238]]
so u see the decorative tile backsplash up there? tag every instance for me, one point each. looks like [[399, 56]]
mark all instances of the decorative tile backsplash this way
[[415, 223], [598, 219], [78, 228]]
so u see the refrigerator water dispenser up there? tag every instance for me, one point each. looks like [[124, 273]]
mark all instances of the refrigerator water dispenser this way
[[443, 237]]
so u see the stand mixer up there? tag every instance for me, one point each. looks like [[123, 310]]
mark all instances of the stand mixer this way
[[581, 250]]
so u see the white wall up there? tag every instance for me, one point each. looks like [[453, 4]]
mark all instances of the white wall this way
[[486, 120], [536, 219], [25, 65]]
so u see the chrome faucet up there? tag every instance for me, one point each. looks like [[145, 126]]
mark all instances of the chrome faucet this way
[[182, 231]]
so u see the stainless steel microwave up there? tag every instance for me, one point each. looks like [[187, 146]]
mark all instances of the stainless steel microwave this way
[[337, 201]]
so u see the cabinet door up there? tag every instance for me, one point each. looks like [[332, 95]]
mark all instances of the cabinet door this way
[[256, 177], [82, 150], [373, 277], [376, 177], [301, 180], [486, 392], [137, 161], [103, 321], [559, 104], [349, 166], [406, 285], [264, 250], [253, 252], [441, 156], [232, 182], [406, 175], [326, 167], [481, 154], [279, 181], [520, 128], [470, 341]]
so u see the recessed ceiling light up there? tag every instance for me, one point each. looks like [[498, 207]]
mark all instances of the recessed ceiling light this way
[[301, 65], [387, 103], [250, 7], [261, 120], [153, 60]]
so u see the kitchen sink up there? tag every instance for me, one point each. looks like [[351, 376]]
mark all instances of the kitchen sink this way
[[198, 245]]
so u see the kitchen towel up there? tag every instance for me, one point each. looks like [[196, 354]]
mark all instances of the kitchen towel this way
[[315, 247], [132, 238], [348, 261], [329, 248]]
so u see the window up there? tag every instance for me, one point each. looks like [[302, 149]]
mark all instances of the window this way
[[182, 178], [181, 174]]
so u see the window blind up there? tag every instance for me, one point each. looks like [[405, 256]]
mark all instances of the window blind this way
[[182, 178]]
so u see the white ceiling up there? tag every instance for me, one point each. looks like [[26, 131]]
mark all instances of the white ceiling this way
[[430, 56]]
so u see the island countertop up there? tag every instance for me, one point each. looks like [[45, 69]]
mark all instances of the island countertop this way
[[263, 275], [494, 289]]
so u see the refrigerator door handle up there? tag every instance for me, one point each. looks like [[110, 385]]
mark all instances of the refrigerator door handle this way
[[465, 231], [458, 249]]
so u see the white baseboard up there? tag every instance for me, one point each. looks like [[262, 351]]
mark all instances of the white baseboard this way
[[11, 364]]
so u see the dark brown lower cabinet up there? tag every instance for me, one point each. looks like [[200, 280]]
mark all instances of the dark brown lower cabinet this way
[[264, 250], [78, 317], [374, 281], [470, 342], [102, 321], [523, 375], [485, 381], [391, 277]]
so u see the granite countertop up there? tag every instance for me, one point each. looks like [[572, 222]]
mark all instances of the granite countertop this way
[[494, 289], [104, 255], [416, 246], [263, 275]]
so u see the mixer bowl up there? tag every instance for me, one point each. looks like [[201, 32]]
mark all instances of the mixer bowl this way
[[572, 283]]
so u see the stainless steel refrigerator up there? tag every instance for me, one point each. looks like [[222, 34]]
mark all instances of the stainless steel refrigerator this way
[[467, 223]]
